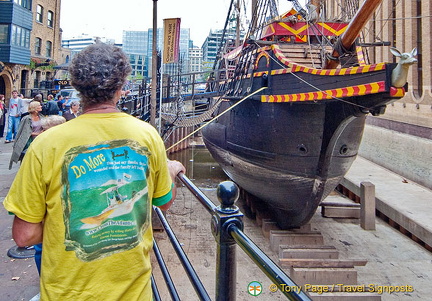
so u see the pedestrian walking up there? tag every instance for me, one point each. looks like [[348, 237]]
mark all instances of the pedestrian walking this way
[[29, 128], [2, 115], [14, 117]]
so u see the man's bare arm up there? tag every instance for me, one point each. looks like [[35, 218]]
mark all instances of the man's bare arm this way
[[174, 167], [25, 233]]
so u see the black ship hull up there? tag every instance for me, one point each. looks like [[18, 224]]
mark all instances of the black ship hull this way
[[290, 157], [291, 144]]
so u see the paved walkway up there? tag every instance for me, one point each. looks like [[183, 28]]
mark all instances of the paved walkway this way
[[403, 201], [19, 279]]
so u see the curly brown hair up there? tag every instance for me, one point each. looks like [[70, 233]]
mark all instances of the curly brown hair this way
[[98, 71]]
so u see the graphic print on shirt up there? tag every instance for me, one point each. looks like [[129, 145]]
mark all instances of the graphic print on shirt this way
[[105, 198]]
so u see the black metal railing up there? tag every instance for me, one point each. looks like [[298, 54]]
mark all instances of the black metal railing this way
[[227, 228]]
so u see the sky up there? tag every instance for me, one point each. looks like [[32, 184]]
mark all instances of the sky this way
[[108, 18]]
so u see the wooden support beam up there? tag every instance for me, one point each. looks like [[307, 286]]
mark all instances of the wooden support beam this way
[[367, 211], [340, 212], [316, 252], [323, 276], [322, 263], [283, 237]]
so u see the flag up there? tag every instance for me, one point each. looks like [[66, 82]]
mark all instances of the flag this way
[[171, 40]]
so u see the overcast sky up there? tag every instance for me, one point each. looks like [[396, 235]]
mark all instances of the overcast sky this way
[[108, 18]]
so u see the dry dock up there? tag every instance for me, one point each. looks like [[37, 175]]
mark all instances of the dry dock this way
[[393, 259]]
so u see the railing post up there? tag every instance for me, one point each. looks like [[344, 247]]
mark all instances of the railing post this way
[[224, 216]]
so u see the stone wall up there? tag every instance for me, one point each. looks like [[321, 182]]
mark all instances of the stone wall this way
[[408, 155]]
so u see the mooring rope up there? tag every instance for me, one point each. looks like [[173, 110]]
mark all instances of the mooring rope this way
[[208, 122]]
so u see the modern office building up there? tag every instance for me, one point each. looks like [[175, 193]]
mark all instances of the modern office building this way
[[139, 46], [139, 65], [195, 59], [135, 45], [136, 42], [212, 45], [77, 44]]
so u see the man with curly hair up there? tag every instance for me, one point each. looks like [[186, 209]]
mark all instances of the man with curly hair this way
[[90, 184]]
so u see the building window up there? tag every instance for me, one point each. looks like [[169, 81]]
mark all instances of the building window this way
[[37, 79], [38, 43], [24, 3], [20, 37], [39, 13], [4, 33], [50, 17], [48, 48]]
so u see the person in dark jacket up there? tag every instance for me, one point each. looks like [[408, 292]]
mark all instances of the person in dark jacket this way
[[73, 112], [50, 107]]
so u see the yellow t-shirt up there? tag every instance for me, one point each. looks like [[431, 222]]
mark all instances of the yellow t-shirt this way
[[91, 180]]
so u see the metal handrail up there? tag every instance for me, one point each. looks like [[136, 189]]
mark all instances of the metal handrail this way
[[227, 228], [273, 272], [193, 277], [165, 273], [156, 295]]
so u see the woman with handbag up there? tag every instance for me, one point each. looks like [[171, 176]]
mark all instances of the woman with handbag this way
[[29, 127]]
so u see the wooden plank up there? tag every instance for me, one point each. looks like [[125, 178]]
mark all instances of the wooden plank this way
[[323, 247], [281, 237], [308, 253], [321, 263], [323, 276], [267, 226], [340, 212], [302, 54], [302, 229], [340, 204]]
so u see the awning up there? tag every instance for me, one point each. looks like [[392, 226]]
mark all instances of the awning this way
[[64, 66]]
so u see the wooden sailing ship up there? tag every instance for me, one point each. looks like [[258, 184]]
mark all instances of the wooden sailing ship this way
[[291, 143]]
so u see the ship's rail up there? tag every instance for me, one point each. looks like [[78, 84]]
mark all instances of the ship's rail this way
[[227, 228]]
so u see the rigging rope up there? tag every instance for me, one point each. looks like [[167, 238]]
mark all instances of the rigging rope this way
[[183, 121], [208, 122]]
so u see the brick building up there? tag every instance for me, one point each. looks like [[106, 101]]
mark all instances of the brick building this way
[[30, 46]]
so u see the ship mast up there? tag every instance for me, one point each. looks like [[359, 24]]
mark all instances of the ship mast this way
[[237, 43], [347, 39]]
